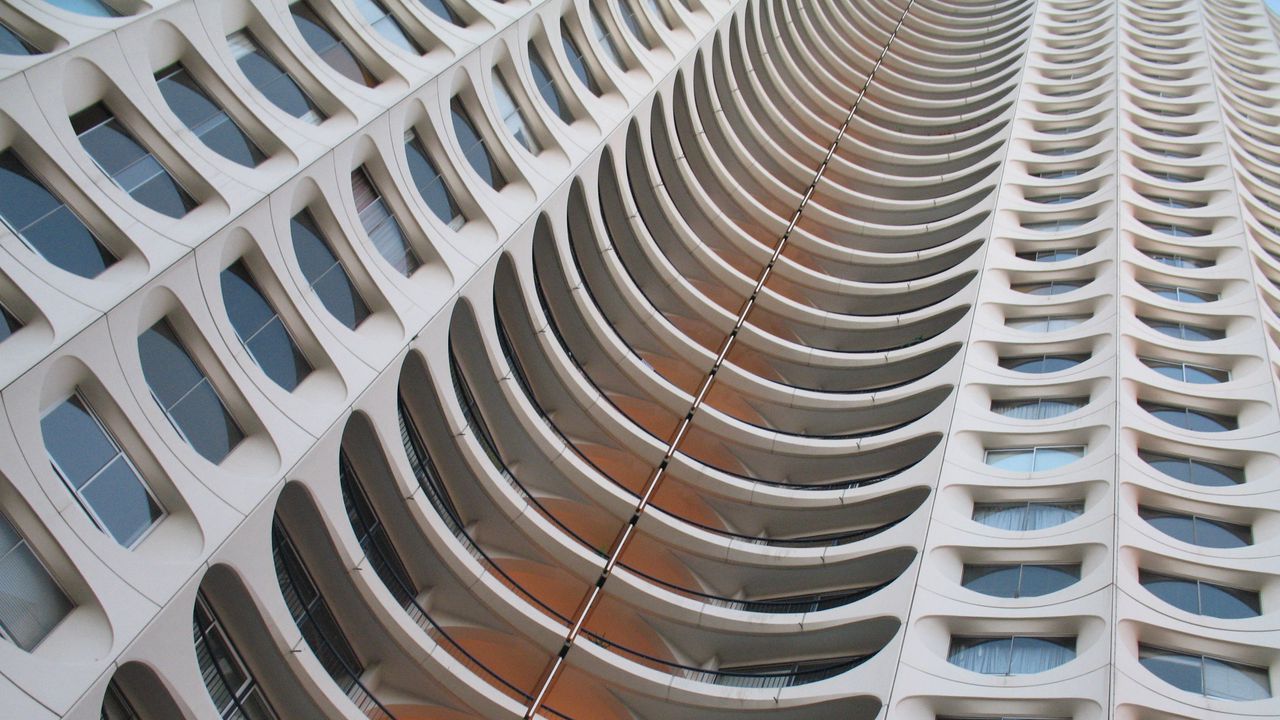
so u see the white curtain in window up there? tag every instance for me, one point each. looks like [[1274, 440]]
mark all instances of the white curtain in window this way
[[989, 656], [1001, 517], [1040, 516], [1036, 655], [31, 604]]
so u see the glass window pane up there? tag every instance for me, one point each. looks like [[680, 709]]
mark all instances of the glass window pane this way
[[8, 323], [185, 395], [95, 8], [169, 370], [122, 502], [325, 274], [1041, 516], [382, 226], [1178, 592], [205, 423], [1003, 517], [1228, 603], [75, 442], [327, 45], [1179, 670], [130, 165], [271, 80], [474, 147], [1232, 681], [994, 580], [1035, 655], [606, 39], [200, 114], [1022, 460], [11, 43], [1216, 534], [989, 656], [431, 184], [1044, 579], [577, 61], [547, 87], [31, 604], [1054, 458], [1179, 527], [442, 9], [377, 15], [513, 117], [41, 219]]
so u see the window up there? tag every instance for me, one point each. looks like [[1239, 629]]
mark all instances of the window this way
[[512, 116], [606, 39], [130, 165], [1053, 255], [115, 706], [373, 538], [185, 394], [8, 323], [632, 22], [1038, 408], [1172, 177], [1062, 151], [1057, 199], [1181, 294], [312, 614], [1019, 580], [327, 45], [260, 329], [203, 117], [1172, 202], [98, 473], [1059, 174], [1197, 530], [324, 272], [657, 12], [1016, 655], [577, 61], [1040, 364], [376, 14], [31, 603], [474, 147], [1188, 419], [1026, 516], [547, 86], [1183, 331], [1034, 459], [95, 8], [273, 82], [11, 43], [232, 688], [1196, 472], [1202, 598], [1053, 226], [1053, 287], [430, 182], [1046, 323], [443, 10], [1188, 373], [1204, 675], [45, 223], [381, 226]]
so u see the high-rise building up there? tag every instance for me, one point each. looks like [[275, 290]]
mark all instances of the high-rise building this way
[[639, 359]]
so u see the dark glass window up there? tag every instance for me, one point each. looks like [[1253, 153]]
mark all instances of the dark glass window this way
[[577, 61], [474, 147], [202, 116], [431, 183], [260, 328], [381, 225], [312, 614], [1016, 655], [372, 536], [1049, 256], [632, 22], [1181, 294], [1026, 516], [325, 273], [1188, 419], [187, 397], [1208, 676], [1188, 373], [1054, 287], [605, 38], [11, 43], [327, 45], [31, 603], [513, 116], [1197, 530], [386, 24], [45, 223], [1019, 580], [232, 688], [547, 86], [1180, 261], [116, 706], [98, 473], [1183, 331], [443, 10], [1191, 470], [95, 8], [128, 163], [1202, 598], [1039, 364], [265, 74], [8, 323]]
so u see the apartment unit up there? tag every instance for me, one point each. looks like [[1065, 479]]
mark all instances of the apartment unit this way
[[639, 359]]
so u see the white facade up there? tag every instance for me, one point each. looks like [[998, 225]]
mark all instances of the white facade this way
[[639, 359]]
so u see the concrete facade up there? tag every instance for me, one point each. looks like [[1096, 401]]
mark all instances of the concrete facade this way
[[717, 403]]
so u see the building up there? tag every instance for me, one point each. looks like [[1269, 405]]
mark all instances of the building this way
[[664, 359]]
